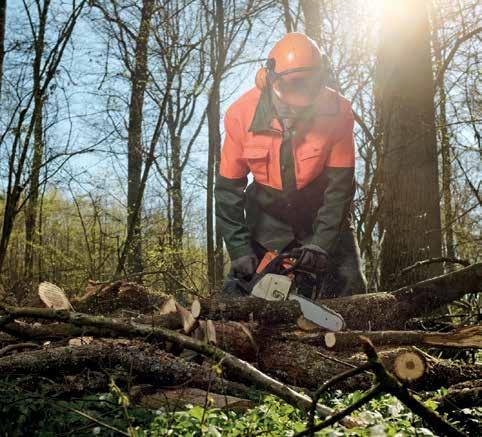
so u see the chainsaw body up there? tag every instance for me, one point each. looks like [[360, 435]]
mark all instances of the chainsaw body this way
[[277, 279]]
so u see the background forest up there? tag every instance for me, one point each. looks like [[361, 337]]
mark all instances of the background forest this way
[[111, 127]]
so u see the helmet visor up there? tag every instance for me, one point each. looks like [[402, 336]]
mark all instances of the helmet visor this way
[[298, 89]]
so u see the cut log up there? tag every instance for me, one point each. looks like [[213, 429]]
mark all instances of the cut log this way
[[409, 366], [376, 311], [250, 308], [464, 338]]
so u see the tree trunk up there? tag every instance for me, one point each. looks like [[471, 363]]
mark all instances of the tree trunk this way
[[133, 247], [444, 142], [3, 22], [287, 15], [409, 192], [215, 252], [311, 14], [31, 211]]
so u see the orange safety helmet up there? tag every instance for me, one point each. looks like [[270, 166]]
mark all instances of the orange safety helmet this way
[[294, 70]]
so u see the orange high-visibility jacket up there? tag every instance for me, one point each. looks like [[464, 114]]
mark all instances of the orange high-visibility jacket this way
[[303, 178]]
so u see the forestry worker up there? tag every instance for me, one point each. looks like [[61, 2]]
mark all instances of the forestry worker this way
[[295, 136]]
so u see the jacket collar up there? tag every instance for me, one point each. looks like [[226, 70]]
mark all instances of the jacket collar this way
[[264, 115]]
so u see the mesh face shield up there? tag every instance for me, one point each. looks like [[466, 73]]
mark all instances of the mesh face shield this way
[[297, 86]]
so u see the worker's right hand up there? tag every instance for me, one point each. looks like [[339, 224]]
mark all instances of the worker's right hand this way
[[244, 267], [311, 257]]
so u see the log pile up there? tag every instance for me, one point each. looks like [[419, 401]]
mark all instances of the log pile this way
[[237, 345]]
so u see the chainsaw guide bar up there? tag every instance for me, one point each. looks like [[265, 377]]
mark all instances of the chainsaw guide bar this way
[[276, 287]]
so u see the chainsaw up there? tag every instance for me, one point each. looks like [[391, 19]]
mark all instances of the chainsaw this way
[[281, 277]]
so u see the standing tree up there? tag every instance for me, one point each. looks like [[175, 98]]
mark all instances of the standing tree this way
[[24, 120], [3, 23], [409, 188]]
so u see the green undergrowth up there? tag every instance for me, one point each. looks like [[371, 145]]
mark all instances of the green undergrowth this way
[[111, 414]]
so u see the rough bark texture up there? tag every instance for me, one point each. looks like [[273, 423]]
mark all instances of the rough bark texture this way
[[312, 16], [468, 337], [147, 362], [215, 252], [3, 20], [409, 192], [304, 366], [133, 251], [375, 311], [250, 308]]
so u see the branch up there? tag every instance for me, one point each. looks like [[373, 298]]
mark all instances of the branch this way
[[448, 60]]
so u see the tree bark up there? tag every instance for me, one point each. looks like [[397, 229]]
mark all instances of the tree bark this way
[[467, 337], [147, 363], [215, 252], [445, 148], [133, 247], [312, 16], [3, 23], [31, 211], [409, 191], [375, 311]]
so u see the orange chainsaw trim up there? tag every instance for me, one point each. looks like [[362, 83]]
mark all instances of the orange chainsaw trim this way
[[270, 256]]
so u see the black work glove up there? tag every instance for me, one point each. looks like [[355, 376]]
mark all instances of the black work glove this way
[[244, 267], [311, 257]]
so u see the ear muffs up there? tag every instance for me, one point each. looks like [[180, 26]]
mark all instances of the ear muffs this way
[[264, 74], [261, 78]]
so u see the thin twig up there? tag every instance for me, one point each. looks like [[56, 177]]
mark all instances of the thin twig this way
[[425, 262]]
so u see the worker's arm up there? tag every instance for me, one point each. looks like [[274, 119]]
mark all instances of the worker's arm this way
[[229, 192], [338, 195]]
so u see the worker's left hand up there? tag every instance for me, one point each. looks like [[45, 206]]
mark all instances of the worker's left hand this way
[[311, 257]]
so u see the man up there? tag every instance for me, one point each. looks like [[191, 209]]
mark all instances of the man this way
[[295, 136]]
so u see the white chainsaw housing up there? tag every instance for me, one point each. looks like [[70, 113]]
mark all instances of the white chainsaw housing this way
[[278, 287], [272, 287]]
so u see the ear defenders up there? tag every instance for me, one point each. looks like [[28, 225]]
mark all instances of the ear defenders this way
[[265, 74]]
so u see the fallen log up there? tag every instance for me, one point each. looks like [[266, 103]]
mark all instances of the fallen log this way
[[305, 366], [373, 311], [462, 338], [376, 311], [459, 396], [146, 362]]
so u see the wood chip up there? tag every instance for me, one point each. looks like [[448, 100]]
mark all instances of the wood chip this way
[[79, 341], [196, 308], [53, 296], [168, 307], [210, 332], [188, 321]]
